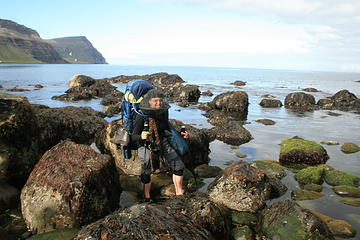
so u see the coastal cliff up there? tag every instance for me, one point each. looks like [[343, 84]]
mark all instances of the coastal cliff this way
[[20, 44]]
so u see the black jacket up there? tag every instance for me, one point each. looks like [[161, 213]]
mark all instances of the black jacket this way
[[162, 124]]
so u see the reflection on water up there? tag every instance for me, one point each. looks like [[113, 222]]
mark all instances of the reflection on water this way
[[316, 125]]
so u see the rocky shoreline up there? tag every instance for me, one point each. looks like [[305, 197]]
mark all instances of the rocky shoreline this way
[[60, 183]]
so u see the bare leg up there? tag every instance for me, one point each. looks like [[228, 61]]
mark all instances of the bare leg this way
[[146, 188], [178, 180]]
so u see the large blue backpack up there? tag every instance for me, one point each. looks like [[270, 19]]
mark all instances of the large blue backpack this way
[[134, 93]]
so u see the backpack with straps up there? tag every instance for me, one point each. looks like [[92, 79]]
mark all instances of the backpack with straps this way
[[134, 93]]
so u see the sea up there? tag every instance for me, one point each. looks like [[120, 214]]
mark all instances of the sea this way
[[318, 125]]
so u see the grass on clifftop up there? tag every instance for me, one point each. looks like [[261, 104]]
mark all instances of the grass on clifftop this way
[[300, 145]]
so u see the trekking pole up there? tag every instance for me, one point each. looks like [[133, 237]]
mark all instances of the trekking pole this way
[[146, 129]]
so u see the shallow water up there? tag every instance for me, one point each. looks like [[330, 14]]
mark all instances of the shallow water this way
[[316, 126]]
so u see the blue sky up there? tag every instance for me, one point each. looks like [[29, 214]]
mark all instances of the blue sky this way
[[285, 34]]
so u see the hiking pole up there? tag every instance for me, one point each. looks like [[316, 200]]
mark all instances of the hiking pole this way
[[146, 129]]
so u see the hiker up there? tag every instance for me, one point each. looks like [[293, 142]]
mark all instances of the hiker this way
[[152, 142]]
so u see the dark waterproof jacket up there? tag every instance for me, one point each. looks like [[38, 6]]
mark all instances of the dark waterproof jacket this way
[[162, 124]]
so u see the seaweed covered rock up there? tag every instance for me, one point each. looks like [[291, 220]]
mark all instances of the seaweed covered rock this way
[[87, 90], [194, 217], [270, 103], [270, 167], [300, 195], [311, 175], [300, 101], [336, 178], [299, 151], [347, 191], [206, 171], [70, 186], [241, 187], [18, 139], [232, 132], [350, 148], [287, 220]]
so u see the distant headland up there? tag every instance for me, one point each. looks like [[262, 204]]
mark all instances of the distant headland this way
[[20, 44]]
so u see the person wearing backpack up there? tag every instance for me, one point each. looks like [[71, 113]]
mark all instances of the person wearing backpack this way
[[153, 143]]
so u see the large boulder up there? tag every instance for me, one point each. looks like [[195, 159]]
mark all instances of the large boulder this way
[[193, 217], [270, 103], [100, 88], [185, 94], [299, 101], [198, 147], [344, 99], [18, 139], [79, 124], [70, 186], [241, 187], [81, 81], [287, 220], [236, 101], [300, 151], [233, 133]]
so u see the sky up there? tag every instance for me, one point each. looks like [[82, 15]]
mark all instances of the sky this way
[[277, 34]]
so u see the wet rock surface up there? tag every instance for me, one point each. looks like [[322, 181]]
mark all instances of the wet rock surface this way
[[299, 151], [70, 186], [270, 103], [300, 101], [192, 217], [241, 187], [343, 100], [287, 220], [232, 133]]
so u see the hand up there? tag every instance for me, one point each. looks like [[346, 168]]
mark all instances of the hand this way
[[185, 135], [144, 135]]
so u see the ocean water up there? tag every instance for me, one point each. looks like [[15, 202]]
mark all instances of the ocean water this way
[[317, 126]]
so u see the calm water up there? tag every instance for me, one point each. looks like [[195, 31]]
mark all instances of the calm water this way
[[316, 126]]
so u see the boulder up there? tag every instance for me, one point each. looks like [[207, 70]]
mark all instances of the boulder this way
[[336, 178], [299, 101], [350, 148], [241, 187], [232, 133], [79, 124], [185, 94], [81, 81], [270, 103], [100, 88], [301, 195], [299, 151], [112, 99], [70, 186], [239, 83], [207, 93], [287, 220], [326, 103], [313, 187], [198, 147], [270, 167], [18, 139], [310, 90], [311, 175], [344, 100], [337, 227], [265, 121], [193, 217], [159, 79], [347, 191], [232, 102]]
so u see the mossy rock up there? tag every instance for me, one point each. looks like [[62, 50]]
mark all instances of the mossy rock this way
[[347, 191], [350, 148], [336, 178], [234, 147], [206, 171], [300, 195], [300, 151], [240, 155], [242, 233], [62, 234], [330, 143], [310, 175], [339, 228], [313, 187], [270, 167], [244, 218], [355, 202]]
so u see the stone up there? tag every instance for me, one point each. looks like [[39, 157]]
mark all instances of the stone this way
[[339, 228], [112, 99], [239, 83], [310, 175], [347, 191], [206, 171], [326, 103], [350, 148], [330, 143], [336, 178], [9, 197], [38, 86], [355, 202], [192, 217], [299, 101], [233, 133], [266, 121], [241, 187], [232, 102], [240, 155], [267, 96], [344, 100], [277, 187], [313, 187], [270, 167], [207, 93], [242, 233], [310, 90], [300, 195], [299, 151], [270, 103], [81, 81], [288, 220], [70, 186]]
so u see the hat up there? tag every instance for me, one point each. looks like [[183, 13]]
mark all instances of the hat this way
[[153, 93]]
